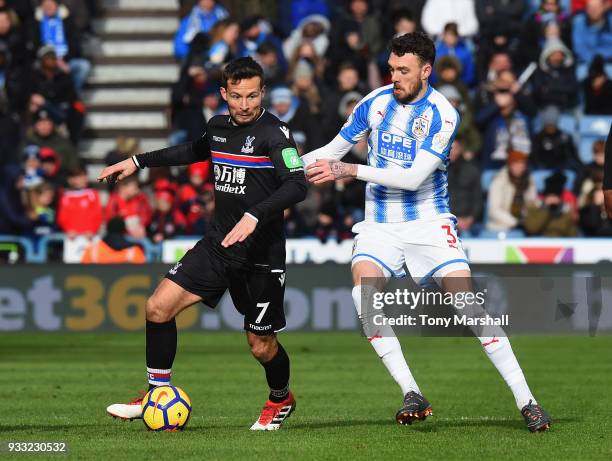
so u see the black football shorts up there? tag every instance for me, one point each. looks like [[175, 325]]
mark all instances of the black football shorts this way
[[258, 293]]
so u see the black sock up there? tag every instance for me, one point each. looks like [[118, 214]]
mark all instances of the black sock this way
[[277, 375], [161, 346]]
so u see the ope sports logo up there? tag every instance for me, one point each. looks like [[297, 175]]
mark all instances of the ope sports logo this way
[[396, 147]]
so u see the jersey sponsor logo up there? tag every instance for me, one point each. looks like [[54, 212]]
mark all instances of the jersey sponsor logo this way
[[292, 159], [420, 127], [395, 147], [232, 177], [247, 148], [219, 139], [285, 131]]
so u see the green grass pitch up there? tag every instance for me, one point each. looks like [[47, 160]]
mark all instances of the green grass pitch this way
[[56, 387]]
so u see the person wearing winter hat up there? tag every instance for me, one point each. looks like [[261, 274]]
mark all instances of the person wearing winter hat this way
[[555, 81]]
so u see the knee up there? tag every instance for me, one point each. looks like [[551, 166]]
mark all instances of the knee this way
[[155, 311], [263, 348]]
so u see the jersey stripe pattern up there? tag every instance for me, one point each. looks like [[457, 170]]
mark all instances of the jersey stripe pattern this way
[[397, 134]]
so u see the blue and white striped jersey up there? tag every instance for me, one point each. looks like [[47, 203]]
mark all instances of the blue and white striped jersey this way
[[397, 133]]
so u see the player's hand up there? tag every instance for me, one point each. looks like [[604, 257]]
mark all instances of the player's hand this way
[[240, 232], [118, 171], [323, 171]]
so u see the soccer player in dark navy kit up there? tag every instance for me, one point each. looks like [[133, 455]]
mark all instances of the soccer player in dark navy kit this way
[[258, 173]]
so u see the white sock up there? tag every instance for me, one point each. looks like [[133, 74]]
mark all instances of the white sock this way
[[500, 352], [388, 348]]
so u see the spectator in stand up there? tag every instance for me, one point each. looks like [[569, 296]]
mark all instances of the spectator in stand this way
[[538, 28], [553, 148], [204, 15], [594, 221], [50, 167], [495, 15], [44, 133], [41, 208], [314, 28], [53, 91], [124, 147], [290, 110], [450, 43], [448, 72], [512, 191], [555, 81], [14, 219], [349, 46], [592, 32], [367, 25], [293, 12], [24, 10], [551, 216], [187, 100], [272, 63], [505, 128], [54, 27], [306, 53], [32, 169], [255, 31], [132, 205], [437, 13], [167, 220], [347, 81], [79, 211], [464, 188], [114, 248], [505, 81], [467, 133], [593, 172], [327, 217], [304, 87], [598, 89], [224, 39], [15, 60]]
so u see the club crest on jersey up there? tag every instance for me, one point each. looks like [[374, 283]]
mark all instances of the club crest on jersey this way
[[247, 148], [420, 127]]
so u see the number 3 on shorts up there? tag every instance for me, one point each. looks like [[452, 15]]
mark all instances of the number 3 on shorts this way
[[264, 308]]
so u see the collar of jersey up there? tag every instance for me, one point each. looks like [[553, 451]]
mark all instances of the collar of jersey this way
[[229, 117], [422, 100]]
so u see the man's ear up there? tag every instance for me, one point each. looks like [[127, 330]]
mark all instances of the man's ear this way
[[263, 91], [223, 93], [426, 71]]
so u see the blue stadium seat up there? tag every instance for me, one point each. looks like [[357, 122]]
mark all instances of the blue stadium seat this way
[[595, 125], [486, 177], [540, 176], [568, 123]]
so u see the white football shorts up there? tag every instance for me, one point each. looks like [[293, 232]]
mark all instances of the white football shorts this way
[[430, 249]]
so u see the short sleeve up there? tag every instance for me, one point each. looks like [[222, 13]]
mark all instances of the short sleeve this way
[[357, 123], [442, 133]]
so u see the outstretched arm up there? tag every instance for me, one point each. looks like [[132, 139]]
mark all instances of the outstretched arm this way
[[181, 154], [411, 178], [334, 150]]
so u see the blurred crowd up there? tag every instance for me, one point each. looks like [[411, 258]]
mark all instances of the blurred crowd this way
[[512, 68]]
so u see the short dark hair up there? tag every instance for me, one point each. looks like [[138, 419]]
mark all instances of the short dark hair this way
[[452, 28], [417, 43], [239, 69]]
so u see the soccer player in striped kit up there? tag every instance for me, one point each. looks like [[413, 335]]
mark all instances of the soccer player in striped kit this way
[[410, 128]]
